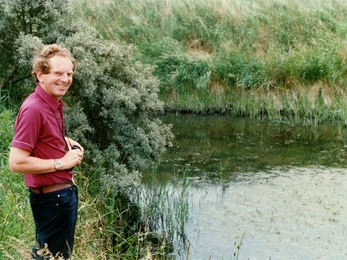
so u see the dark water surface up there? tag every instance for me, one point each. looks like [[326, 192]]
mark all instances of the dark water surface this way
[[281, 189]]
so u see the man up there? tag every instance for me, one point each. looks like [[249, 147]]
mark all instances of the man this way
[[41, 151]]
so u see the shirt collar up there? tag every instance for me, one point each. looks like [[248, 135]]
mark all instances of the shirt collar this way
[[52, 102]]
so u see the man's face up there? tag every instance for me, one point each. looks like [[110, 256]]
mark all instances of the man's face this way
[[59, 79]]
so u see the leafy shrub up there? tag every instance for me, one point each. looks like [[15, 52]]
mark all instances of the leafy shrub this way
[[113, 99]]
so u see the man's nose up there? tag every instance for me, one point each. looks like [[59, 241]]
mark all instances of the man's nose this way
[[64, 77]]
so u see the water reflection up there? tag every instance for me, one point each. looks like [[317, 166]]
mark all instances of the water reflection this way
[[212, 145], [282, 187]]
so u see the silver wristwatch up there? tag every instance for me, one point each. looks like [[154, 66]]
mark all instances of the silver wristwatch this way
[[57, 165]]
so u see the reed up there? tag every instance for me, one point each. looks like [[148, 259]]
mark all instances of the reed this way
[[209, 53]]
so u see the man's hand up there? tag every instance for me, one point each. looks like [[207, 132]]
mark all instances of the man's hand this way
[[72, 158], [71, 143]]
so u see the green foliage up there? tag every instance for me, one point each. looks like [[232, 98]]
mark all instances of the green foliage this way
[[6, 133], [187, 72], [47, 20], [252, 46], [15, 216], [15, 210], [112, 100], [118, 98]]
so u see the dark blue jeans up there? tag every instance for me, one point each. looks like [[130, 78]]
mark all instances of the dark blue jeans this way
[[55, 216]]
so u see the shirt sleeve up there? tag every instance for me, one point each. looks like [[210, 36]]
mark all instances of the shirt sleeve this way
[[27, 128]]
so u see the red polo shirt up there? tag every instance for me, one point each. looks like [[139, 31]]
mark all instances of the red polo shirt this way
[[37, 131]]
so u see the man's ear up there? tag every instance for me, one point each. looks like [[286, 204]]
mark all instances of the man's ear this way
[[39, 75]]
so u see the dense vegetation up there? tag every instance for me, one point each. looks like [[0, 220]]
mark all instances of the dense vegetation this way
[[280, 58], [110, 109]]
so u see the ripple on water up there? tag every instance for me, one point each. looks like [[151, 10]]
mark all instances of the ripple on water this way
[[301, 213]]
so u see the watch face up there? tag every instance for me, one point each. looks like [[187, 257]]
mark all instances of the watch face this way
[[57, 165]]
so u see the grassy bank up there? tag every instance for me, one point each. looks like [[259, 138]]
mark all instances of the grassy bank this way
[[281, 58]]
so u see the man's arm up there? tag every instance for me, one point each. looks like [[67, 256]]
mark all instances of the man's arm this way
[[21, 161]]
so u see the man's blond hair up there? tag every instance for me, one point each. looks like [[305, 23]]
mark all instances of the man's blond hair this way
[[41, 60]]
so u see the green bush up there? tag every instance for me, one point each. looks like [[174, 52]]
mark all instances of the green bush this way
[[47, 20], [111, 103]]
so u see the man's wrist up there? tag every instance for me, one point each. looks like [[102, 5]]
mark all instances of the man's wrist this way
[[57, 165]]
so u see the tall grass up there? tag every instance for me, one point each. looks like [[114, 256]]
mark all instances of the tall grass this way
[[15, 227], [271, 54], [96, 232], [168, 209]]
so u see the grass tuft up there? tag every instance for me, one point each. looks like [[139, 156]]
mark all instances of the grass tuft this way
[[209, 54]]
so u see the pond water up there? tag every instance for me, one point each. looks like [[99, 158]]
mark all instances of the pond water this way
[[278, 190]]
